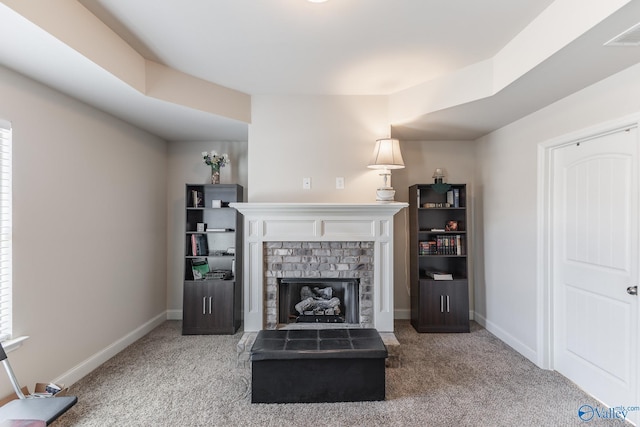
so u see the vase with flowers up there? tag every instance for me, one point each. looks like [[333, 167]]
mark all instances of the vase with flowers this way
[[215, 161]]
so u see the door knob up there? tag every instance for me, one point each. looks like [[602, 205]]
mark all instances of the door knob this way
[[632, 290]]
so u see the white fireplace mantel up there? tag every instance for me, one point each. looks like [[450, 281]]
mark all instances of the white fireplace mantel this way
[[318, 222]]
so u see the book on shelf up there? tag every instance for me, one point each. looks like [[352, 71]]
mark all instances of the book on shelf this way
[[450, 245], [442, 244], [199, 245], [196, 199], [453, 197], [427, 247], [438, 275], [199, 268], [219, 229]]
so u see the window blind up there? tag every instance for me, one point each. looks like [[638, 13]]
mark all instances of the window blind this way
[[5, 231]]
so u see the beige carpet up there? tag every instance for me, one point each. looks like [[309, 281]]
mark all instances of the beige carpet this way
[[166, 379]]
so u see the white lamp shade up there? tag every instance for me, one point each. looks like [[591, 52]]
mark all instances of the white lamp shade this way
[[387, 155]]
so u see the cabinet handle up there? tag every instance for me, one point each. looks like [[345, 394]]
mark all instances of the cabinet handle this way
[[447, 303], [441, 303], [204, 305], [210, 298]]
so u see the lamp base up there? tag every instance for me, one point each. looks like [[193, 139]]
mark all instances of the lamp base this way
[[385, 194]]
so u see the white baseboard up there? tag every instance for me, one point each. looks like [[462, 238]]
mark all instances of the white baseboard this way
[[480, 319], [85, 367], [507, 338]]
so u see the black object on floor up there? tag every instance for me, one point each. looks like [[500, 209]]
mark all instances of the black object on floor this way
[[319, 365]]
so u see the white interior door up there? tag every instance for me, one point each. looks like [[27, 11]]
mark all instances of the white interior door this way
[[594, 261]]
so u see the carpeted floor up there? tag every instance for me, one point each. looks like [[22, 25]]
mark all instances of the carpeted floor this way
[[166, 379]]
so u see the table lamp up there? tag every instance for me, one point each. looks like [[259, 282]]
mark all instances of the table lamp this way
[[386, 156]]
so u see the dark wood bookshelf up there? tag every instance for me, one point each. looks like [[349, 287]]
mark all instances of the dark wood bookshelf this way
[[212, 305], [439, 305]]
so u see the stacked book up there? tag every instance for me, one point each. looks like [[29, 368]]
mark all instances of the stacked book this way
[[443, 244], [427, 248], [439, 275]]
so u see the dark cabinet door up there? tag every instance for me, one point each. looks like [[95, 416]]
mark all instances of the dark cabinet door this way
[[444, 306], [456, 314], [220, 303], [431, 304], [208, 307], [195, 317]]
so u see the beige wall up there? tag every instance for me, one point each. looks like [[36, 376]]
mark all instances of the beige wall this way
[[89, 231], [506, 291], [320, 137]]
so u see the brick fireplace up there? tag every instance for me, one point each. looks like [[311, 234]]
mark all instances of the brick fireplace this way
[[318, 240], [319, 261]]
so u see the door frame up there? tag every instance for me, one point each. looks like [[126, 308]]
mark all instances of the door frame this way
[[544, 294]]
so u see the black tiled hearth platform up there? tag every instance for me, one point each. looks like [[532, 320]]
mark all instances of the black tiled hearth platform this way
[[317, 365]]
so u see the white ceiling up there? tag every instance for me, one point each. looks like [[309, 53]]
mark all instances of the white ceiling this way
[[341, 47]]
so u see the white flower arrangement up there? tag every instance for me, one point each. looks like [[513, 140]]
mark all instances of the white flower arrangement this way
[[215, 160]]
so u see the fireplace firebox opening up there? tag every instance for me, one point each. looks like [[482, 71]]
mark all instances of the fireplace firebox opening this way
[[322, 300]]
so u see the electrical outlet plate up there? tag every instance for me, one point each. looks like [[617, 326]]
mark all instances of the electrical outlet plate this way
[[306, 183], [339, 183]]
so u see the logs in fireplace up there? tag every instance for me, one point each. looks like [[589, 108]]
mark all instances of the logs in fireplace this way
[[323, 300]]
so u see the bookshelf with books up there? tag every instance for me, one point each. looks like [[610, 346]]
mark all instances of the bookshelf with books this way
[[439, 257], [212, 293]]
